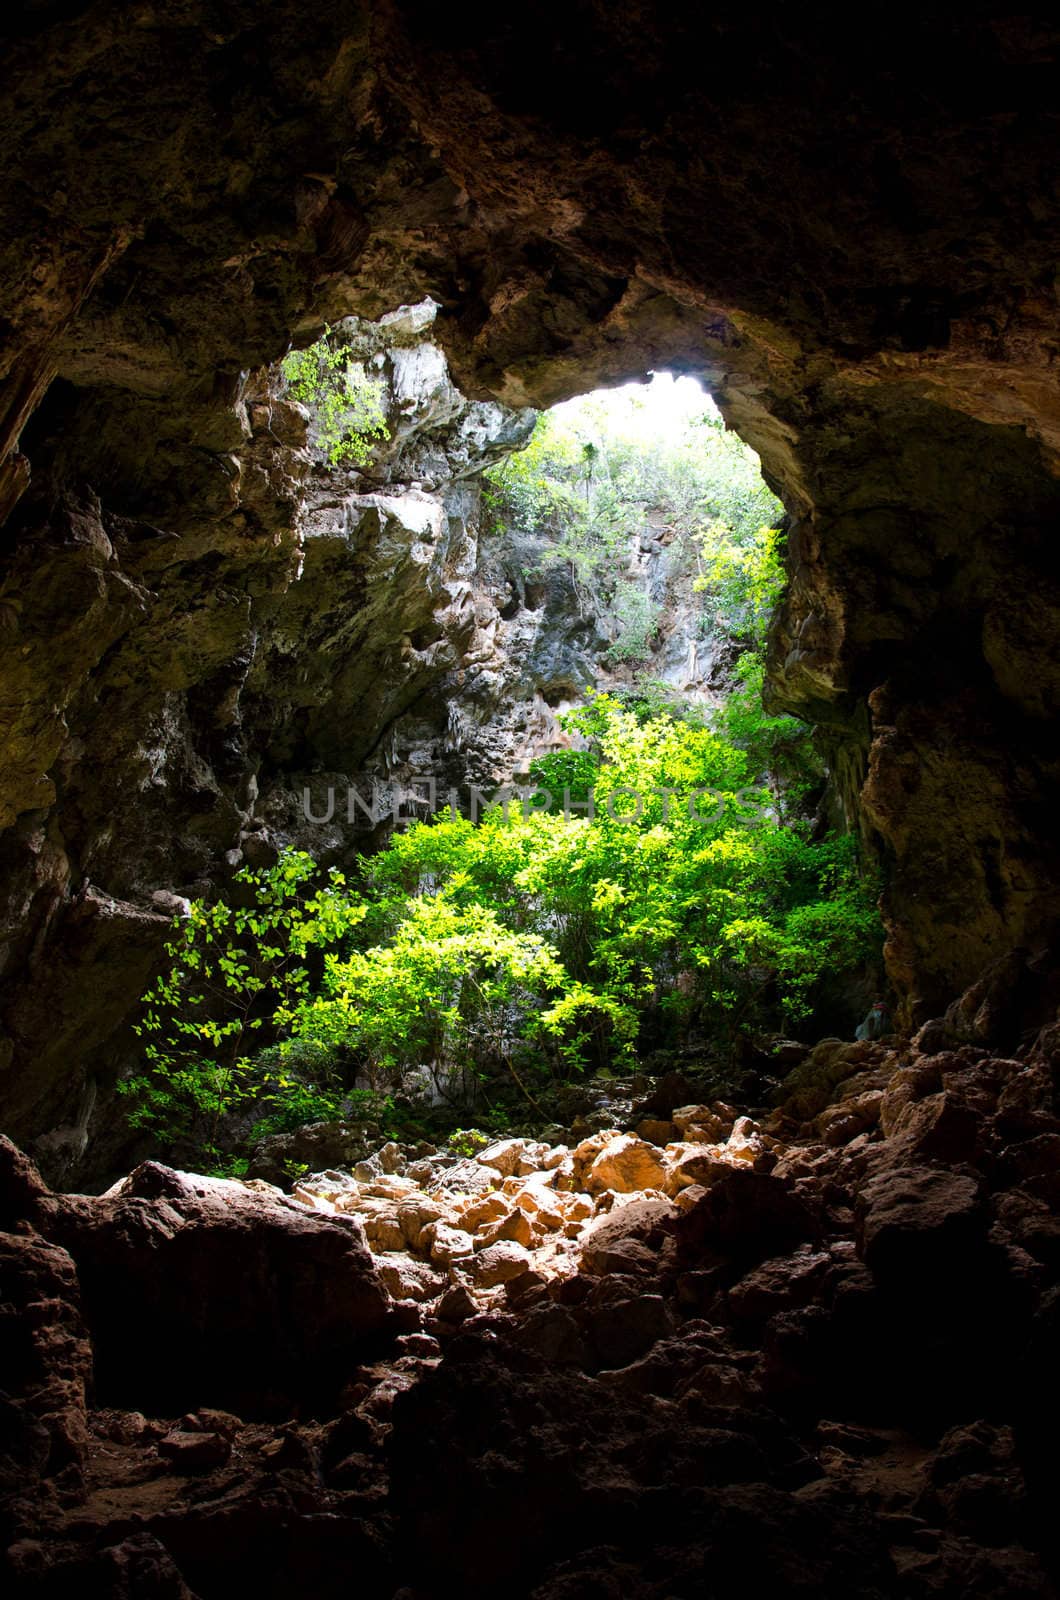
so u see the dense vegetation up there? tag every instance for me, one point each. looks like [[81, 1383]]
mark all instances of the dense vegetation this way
[[661, 881]]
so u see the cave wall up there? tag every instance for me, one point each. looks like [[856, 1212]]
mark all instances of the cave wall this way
[[846, 227]]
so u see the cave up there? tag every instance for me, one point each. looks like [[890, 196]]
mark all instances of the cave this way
[[828, 1368]]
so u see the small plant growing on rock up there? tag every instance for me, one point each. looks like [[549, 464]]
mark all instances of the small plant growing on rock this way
[[347, 405], [467, 1141]]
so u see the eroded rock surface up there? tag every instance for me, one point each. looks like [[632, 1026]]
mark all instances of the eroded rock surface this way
[[826, 1367]]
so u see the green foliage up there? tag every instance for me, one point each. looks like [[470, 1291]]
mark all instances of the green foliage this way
[[744, 572], [346, 403], [529, 946], [744, 576], [439, 991], [780, 748], [563, 936], [570, 771], [638, 620], [467, 1141], [207, 1020], [672, 882], [593, 476], [648, 698]]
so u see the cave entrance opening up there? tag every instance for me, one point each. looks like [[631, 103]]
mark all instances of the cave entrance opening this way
[[537, 641], [635, 511]]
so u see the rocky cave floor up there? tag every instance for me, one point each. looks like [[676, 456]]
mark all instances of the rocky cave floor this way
[[808, 1354]]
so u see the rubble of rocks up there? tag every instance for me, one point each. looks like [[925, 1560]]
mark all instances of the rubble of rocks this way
[[808, 1353], [452, 1233]]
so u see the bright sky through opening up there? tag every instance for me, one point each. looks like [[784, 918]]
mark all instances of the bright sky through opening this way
[[665, 406]]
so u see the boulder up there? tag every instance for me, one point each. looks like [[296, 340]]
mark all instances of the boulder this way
[[514, 1225], [194, 1452], [626, 1164], [200, 1291], [139, 1568], [47, 1362], [744, 1218], [315, 1146], [509, 1157], [622, 1330], [382, 1229], [629, 1239], [552, 1333], [709, 1128], [456, 1304], [447, 1244], [481, 1213], [907, 1085], [21, 1185], [405, 1279], [838, 1124], [690, 1164], [414, 1216], [656, 1131], [499, 1263], [941, 1127], [920, 1226]]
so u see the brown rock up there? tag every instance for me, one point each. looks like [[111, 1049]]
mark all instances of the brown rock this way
[[552, 1333], [416, 1215], [47, 1362], [709, 1127], [838, 1124], [489, 1208], [406, 1279], [655, 1131], [940, 1127], [21, 1185], [626, 1164], [194, 1452], [907, 1085], [457, 1304], [622, 1330], [515, 1225], [693, 1164], [382, 1229], [744, 1217], [629, 1238], [509, 1157], [499, 1263], [197, 1290], [917, 1224], [447, 1244]]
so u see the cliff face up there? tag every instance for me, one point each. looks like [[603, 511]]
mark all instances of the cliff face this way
[[849, 234]]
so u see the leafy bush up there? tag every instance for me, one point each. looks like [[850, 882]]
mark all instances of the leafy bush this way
[[208, 1019], [638, 620], [467, 1141], [346, 404], [526, 947]]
